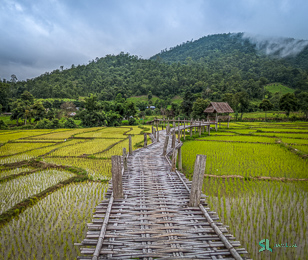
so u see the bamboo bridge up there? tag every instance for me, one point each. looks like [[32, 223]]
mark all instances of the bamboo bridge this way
[[153, 212]]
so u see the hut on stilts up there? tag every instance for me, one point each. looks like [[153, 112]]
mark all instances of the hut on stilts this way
[[216, 108]]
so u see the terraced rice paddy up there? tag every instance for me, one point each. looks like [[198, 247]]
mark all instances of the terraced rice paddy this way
[[258, 209]]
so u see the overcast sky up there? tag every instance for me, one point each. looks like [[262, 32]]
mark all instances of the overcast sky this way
[[41, 35]]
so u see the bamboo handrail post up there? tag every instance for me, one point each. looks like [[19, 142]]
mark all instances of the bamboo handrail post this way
[[197, 182], [130, 151], [116, 171], [165, 145]]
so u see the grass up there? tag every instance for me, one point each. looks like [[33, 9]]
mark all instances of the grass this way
[[277, 87], [143, 98]]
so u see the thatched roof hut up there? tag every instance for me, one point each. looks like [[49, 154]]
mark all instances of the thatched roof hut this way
[[219, 108]]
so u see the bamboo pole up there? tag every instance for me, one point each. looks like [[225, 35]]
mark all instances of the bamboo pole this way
[[157, 136], [173, 139], [145, 144], [166, 145], [124, 159], [174, 155], [197, 182], [130, 151], [180, 158], [116, 171]]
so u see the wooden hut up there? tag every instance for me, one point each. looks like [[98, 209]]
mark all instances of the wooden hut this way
[[219, 108]]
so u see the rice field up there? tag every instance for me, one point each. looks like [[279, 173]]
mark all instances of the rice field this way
[[96, 169], [4, 173], [49, 229], [253, 209], [257, 209], [16, 190]]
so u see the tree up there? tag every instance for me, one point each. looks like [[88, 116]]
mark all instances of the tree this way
[[119, 99], [266, 105], [20, 109], [175, 109], [303, 102], [92, 118], [150, 95], [91, 103], [187, 103], [27, 97], [3, 125], [4, 95], [241, 101], [130, 109], [38, 111], [141, 105], [288, 103], [70, 123], [198, 108]]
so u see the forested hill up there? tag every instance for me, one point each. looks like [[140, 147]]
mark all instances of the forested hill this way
[[213, 48], [213, 65]]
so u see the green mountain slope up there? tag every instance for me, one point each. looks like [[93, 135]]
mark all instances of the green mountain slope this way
[[213, 65]]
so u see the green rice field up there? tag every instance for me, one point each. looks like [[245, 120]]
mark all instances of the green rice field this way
[[257, 183], [50, 181]]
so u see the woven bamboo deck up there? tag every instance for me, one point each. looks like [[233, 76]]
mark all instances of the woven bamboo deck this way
[[153, 220]]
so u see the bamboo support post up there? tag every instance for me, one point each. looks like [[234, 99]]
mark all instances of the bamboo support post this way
[[145, 143], [174, 123], [184, 131], [199, 128], [116, 171], [130, 151], [179, 133], [209, 129], [157, 136], [166, 145], [195, 123], [180, 158], [228, 120], [197, 182], [124, 159], [173, 140], [173, 161]]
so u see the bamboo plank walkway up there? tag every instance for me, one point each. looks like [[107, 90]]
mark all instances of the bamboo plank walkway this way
[[153, 220]]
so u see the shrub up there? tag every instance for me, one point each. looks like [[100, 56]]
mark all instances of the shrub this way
[[3, 125], [132, 121]]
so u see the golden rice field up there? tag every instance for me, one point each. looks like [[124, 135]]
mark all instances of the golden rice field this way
[[257, 209]]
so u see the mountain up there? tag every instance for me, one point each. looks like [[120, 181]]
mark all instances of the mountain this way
[[290, 51], [213, 65]]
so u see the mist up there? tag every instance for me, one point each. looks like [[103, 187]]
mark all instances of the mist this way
[[277, 46]]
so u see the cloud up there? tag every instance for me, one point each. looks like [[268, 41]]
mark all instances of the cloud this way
[[39, 36], [278, 46]]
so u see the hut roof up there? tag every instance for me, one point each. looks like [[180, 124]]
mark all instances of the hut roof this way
[[218, 107]]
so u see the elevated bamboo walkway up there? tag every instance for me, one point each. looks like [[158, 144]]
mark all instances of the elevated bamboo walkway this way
[[153, 220]]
